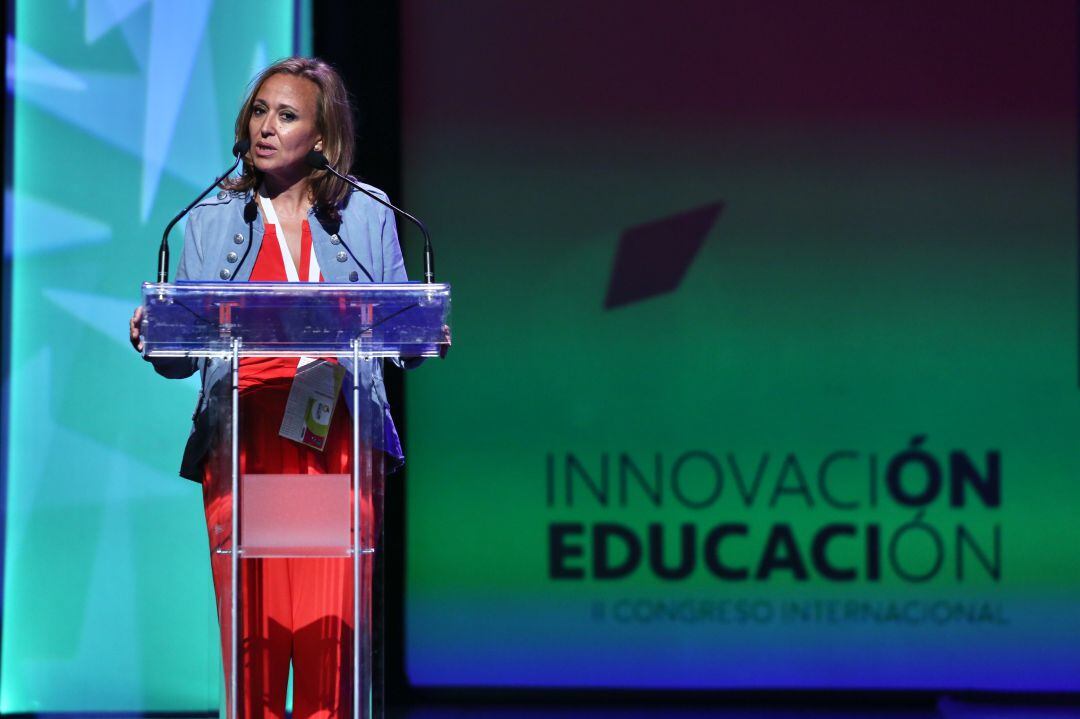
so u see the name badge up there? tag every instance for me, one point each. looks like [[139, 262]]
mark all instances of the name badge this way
[[312, 398]]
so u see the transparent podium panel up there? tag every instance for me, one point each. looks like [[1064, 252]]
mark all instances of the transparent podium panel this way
[[295, 515], [322, 521], [368, 566]]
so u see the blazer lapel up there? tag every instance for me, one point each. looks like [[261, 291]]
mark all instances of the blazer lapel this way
[[248, 224]]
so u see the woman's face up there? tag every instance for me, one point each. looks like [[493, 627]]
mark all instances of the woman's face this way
[[283, 126]]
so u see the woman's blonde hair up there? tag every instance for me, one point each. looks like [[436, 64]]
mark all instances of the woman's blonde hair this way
[[334, 121]]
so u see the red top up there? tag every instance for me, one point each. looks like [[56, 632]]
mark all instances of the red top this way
[[270, 267]]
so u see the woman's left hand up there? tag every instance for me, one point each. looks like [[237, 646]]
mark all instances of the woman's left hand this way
[[135, 326], [444, 349]]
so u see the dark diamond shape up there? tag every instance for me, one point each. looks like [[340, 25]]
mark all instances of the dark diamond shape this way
[[653, 258]]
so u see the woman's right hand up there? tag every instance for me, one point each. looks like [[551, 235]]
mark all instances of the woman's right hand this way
[[135, 325]]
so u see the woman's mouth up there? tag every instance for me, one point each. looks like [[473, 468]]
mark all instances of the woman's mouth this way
[[264, 150]]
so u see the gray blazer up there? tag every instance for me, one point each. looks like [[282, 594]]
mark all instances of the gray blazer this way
[[222, 240]]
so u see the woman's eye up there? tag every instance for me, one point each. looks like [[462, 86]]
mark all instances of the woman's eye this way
[[288, 116], [258, 111]]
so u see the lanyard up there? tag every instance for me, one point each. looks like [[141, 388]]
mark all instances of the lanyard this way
[[286, 257]]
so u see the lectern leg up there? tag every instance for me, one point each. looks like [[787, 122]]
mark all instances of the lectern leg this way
[[234, 554], [367, 508], [361, 631]]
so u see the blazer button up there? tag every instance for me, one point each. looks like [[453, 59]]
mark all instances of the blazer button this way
[[335, 240], [225, 274], [341, 257], [231, 257], [353, 277], [238, 239], [222, 195]]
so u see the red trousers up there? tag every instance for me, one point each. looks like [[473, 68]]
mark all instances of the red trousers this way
[[296, 610]]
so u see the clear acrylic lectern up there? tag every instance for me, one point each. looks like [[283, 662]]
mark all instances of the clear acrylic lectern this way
[[329, 515]]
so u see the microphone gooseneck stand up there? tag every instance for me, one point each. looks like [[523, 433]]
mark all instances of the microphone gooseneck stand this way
[[319, 162], [238, 151]]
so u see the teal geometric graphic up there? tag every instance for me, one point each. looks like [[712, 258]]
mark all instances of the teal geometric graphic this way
[[122, 112], [50, 227], [168, 78]]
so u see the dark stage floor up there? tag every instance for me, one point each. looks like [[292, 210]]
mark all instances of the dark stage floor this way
[[810, 708], [944, 709]]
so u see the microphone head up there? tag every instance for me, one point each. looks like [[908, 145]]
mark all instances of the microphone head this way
[[317, 160], [241, 147]]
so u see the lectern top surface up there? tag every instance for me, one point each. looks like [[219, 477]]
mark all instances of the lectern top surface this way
[[207, 319]]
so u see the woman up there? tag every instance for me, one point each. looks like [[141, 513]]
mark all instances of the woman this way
[[280, 220]]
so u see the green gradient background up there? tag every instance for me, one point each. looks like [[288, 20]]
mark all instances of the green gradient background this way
[[863, 285], [108, 604]]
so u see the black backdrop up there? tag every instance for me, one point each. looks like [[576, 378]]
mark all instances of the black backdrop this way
[[361, 40]]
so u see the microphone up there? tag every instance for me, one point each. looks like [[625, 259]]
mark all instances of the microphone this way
[[318, 160], [238, 151]]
